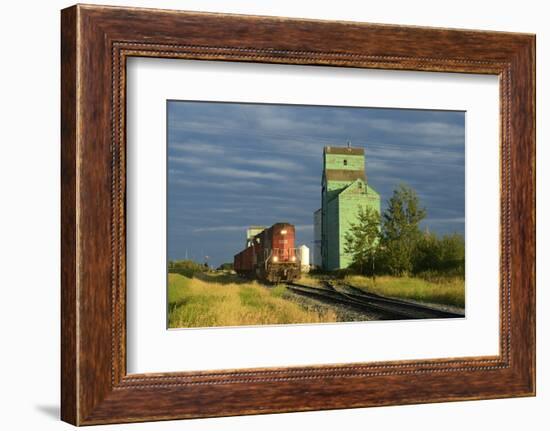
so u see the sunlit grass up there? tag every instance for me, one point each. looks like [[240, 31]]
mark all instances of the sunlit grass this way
[[228, 301], [448, 291], [310, 280]]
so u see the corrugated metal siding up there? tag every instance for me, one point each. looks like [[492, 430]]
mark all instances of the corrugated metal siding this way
[[344, 175], [317, 238], [349, 204], [332, 236]]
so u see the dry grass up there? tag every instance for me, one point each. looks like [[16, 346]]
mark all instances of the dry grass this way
[[445, 291], [222, 301], [310, 280]]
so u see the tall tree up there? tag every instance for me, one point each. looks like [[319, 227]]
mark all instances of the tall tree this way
[[401, 229], [362, 239]]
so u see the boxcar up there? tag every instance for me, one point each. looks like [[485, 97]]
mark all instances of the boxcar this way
[[271, 255]]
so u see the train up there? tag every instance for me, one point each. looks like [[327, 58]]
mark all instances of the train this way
[[270, 255]]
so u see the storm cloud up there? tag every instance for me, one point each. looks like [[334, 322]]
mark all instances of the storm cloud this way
[[231, 165]]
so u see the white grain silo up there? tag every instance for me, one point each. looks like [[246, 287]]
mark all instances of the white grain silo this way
[[304, 258]]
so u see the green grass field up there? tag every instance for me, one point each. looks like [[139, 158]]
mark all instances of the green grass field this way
[[224, 300], [221, 299], [449, 291]]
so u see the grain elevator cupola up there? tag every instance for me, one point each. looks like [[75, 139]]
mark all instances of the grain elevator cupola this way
[[344, 190]]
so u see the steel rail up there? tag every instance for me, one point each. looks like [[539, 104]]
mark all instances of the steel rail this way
[[400, 302], [390, 308]]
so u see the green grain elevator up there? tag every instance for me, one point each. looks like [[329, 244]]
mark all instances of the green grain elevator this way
[[344, 190]]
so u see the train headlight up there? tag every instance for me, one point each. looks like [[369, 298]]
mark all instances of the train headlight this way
[[275, 259], [283, 232], [293, 258]]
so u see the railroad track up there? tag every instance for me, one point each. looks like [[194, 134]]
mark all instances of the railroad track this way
[[390, 308]]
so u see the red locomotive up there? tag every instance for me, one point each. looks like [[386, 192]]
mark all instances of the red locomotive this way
[[270, 255]]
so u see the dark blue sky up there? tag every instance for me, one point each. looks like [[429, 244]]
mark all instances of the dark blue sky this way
[[232, 165]]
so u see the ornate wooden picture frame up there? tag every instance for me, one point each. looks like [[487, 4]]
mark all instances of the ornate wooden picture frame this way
[[96, 41]]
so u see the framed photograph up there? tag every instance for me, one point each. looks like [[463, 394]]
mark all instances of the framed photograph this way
[[264, 214]]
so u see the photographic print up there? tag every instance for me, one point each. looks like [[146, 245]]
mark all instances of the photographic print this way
[[299, 214]]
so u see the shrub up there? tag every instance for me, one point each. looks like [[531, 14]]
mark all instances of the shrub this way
[[443, 255], [187, 268]]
